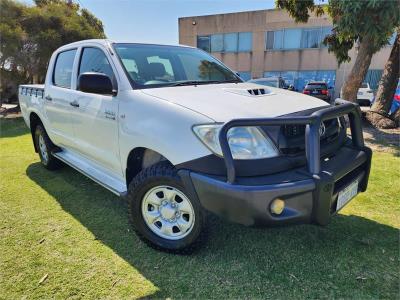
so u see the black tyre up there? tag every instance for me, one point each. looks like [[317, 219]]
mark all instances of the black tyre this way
[[161, 212], [44, 147]]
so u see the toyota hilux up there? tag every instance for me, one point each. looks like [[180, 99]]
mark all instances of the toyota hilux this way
[[178, 134]]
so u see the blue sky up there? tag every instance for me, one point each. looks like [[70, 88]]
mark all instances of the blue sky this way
[[156, 21]]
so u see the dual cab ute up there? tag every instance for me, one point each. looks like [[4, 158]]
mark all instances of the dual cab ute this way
[[177, 133]]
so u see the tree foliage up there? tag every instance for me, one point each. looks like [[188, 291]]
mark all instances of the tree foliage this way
[[366, 24], [353, 20], [300, 10], [30, 34]]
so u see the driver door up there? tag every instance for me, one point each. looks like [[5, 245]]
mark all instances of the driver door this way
[[95, 117]]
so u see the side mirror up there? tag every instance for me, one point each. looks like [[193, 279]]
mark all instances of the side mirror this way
[[96, 83]]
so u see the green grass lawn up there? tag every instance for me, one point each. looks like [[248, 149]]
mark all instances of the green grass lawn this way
[[66, 226]]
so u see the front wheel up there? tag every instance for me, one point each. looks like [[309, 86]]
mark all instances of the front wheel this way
[[161, 211]]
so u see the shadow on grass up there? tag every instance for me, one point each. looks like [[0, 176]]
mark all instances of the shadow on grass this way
[[353, 257], [378, 138], [13, 127]]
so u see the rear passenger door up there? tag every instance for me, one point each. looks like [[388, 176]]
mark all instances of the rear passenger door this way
[[95, 120], [57, 99]]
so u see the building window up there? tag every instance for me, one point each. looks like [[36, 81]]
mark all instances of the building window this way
[[226, 42], [274, 40], [311, 38], [230, 42], [325, 31], [204, 43], [296, 38], [217, 43], [245, 75], [269, 40], [291, 38], [245, 41]]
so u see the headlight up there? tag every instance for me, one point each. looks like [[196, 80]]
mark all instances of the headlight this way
[[244, 142]]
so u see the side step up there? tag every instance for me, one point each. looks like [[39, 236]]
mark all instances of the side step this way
[[94, 172]]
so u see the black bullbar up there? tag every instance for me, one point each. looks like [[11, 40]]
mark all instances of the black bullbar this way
[[310, 193], [312, 123]]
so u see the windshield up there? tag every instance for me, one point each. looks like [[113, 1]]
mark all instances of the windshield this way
[[150, 66]]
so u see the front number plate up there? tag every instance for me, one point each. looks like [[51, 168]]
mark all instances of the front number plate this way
[[347, 194]]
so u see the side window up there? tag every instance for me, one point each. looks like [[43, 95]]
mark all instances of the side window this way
[[94, 60], [62, 73]]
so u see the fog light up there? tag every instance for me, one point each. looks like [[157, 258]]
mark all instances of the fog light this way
[[277, 206]]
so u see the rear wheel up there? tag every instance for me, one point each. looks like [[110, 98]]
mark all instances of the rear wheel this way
[[161, 211], [44, 147]]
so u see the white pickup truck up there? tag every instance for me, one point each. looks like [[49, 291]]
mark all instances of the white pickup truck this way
[[177, 133]]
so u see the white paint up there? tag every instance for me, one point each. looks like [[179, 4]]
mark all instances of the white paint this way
[[158, 119]]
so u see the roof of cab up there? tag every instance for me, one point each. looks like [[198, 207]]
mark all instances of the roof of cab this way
[[107, 42]]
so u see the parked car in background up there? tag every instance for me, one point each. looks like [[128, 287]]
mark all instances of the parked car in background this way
[[277, 82], [318, 89], [175, 132], [365, 95]]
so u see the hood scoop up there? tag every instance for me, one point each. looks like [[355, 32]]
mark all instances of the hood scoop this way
[[252, 92]]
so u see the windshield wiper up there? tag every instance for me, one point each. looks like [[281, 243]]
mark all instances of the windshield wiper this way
[[199, 82], [193, 82], [230, 81]]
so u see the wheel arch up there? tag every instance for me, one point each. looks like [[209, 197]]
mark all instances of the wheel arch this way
[[140, 158], [34, 120]]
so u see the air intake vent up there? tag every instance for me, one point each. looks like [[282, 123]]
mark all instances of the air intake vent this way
[[257, 92]]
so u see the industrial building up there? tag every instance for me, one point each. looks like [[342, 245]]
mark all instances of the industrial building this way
[[270, 43]]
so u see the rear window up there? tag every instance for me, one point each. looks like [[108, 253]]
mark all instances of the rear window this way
[[321, 86], [63, 68], [364, 85]]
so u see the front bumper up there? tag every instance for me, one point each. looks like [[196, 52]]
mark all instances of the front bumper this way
[[310, 193], [308, 198]]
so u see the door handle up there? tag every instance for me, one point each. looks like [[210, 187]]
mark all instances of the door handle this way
[[74, 103], [48, 98]]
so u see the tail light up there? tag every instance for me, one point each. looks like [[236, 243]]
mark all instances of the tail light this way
[[324, 92], [306, 92]]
